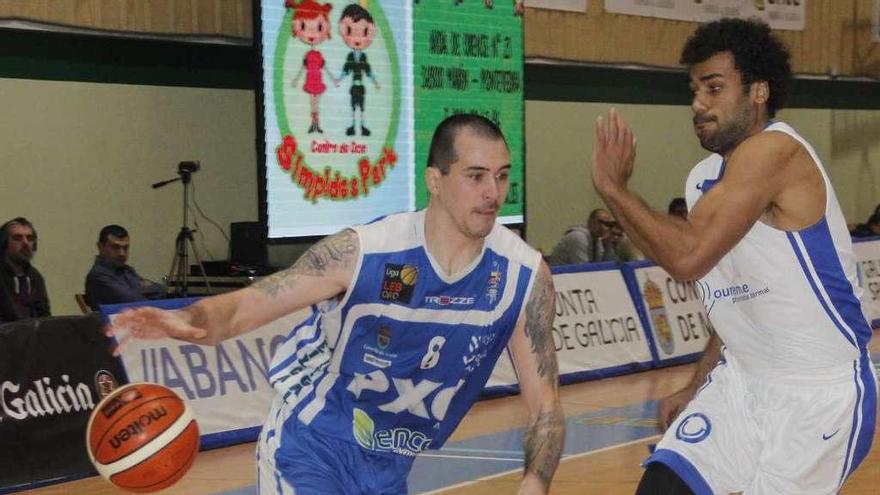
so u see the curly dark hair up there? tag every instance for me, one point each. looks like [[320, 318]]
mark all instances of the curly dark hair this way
[[757, 53]]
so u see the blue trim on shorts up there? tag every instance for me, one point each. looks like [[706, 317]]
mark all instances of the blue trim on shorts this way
[[866, 388], [683, 468]]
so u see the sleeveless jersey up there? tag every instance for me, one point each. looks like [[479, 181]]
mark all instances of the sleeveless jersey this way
[[396, 363], [785, 302]]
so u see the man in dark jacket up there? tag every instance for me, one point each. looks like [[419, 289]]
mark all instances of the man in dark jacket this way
[[24, 290], [111, 280]]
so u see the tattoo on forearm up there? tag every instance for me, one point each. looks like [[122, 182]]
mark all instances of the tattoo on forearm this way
[[539, 321], [336, 251], [543, 443]]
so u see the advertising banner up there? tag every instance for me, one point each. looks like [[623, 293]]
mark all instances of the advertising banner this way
[[503, 380], [53, 372], [597, 330], [674, 313], [867, 254], [785, 14], [226, 385]]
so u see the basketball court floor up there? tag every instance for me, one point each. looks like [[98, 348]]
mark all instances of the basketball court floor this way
[[610, 427]]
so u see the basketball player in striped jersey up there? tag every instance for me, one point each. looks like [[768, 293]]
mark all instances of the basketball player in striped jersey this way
[[411, 313], [790, 407]]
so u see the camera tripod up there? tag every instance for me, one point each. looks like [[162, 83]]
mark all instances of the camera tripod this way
[[178, 274]]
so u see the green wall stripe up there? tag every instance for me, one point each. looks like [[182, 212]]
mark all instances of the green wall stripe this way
[[76, 57], [618, 85]]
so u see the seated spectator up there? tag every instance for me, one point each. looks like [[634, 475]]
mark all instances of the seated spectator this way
[[678, 208], [111, 280], [868, 229], [601, 239], [24, 289]]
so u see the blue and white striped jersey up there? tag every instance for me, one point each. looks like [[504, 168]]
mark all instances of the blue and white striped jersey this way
[[396, 363]]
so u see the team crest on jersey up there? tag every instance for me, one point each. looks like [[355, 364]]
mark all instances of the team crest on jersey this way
[[383, 338], [398, 283], [494, 283]]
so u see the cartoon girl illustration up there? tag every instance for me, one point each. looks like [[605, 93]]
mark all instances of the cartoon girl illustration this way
[[310, 25]]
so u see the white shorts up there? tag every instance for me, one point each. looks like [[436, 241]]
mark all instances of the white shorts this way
[[745, 434]]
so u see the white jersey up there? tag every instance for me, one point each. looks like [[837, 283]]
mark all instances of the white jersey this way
[[784, 302]]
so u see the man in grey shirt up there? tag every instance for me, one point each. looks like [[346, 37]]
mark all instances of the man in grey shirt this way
[[601, 239], [111, 280]]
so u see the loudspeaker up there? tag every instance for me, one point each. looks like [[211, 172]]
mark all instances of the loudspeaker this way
[[247, 243]]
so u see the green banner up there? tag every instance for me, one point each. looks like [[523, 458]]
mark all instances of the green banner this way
[[469, 59]]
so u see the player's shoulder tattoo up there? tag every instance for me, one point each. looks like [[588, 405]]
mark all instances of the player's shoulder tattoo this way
[[338, 251], [332, 252], [539, 322]]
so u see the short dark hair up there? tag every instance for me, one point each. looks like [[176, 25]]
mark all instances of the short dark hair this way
[[442, 152], [356, 13], [595, 213], [676, 204], [757, 54], [4, 232], [874, 219], [114, 230]]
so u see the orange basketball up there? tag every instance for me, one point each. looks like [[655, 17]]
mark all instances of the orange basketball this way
[[142, 437]]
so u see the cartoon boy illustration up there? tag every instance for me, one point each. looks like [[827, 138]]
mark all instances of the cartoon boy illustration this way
[[310, 25], [357, 29]]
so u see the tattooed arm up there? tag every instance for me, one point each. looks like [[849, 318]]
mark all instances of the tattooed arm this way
[[534, 356], [324, 271]]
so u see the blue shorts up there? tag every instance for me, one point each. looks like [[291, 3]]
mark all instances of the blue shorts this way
[[293, 459]]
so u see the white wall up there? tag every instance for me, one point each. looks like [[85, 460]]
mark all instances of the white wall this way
[[78, 156], [559, 140]]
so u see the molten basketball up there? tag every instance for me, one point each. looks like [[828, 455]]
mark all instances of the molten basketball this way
[[142, 437]]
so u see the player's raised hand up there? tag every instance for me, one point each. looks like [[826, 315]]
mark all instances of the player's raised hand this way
[[614, 152], [153, 323]]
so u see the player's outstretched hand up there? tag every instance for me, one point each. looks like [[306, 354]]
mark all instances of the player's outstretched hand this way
[[153, 323], [671, 406], [614, 152]]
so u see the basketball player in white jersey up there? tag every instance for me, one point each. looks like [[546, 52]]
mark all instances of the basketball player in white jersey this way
[[790, 407], [412, 311]]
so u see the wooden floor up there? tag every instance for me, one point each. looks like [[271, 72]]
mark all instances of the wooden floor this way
[[608, 471], [616, 471]]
